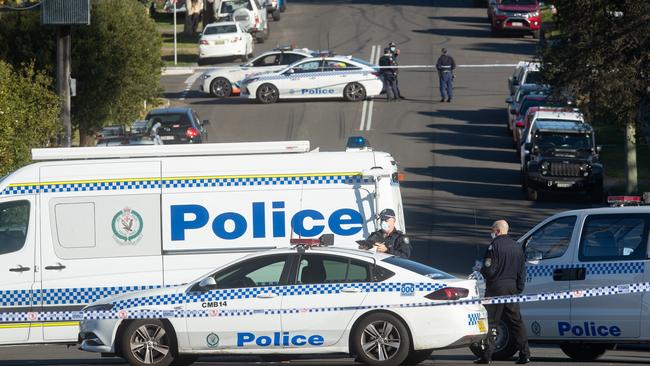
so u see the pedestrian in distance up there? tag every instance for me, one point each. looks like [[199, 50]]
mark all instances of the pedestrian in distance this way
[[504, 270], [388, 72], [388, 239], [446, 66], [395, 52]]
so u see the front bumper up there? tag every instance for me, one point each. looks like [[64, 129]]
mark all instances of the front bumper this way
[[539, 182], [96, 335], [517, 23]]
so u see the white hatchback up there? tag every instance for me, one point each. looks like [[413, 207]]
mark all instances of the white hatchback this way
[[378, 307], [225, 39]]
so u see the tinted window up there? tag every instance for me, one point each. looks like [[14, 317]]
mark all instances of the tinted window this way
[[289, 58], [381, 274], [533, 77], [329, 269], [333, 65], [220, 29], [549, 141], [518, 2], [551, 240], [418, 268], [270, 60], [14, 222], [309, 66], [614, 238], [231, 6], [176, 120], [265, 271]]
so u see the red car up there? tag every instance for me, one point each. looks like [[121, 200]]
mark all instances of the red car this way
[[515, 15]]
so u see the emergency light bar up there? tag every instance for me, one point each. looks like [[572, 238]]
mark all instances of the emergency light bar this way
[[143, 151], [620, 201], [325, 240]]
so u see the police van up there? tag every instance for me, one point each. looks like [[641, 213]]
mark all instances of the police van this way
[[580, 250], [81, 224]]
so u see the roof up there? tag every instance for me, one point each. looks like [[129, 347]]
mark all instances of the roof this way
[[563, 126], [216, 24], [533, 66], [368, 254], [610, 210], [560, 115], [171, 110]]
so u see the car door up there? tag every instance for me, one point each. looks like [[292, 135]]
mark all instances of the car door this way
[[252, 289], [301, 80], [17, 265], [322, 280], [549, 250], [612, 252], [262, 64], [289, 58]]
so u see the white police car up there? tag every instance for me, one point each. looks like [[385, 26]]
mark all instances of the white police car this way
[[319, 77], [287, 301]]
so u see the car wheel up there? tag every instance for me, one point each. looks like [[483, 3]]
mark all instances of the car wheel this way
[[354, 92], [220, 88], [148, 343], [283, 8], [276, 15], [267, 32], [416, 357], [583, 352], [504, 348], [267, 94], [259, 37], [381, 339]]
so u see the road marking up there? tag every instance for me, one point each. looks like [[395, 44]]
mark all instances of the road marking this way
[[364, 107], [371, 103], [188, 84]]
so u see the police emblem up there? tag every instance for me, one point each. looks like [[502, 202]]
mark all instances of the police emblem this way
[[212, 340], [127, 226], [536, 328]]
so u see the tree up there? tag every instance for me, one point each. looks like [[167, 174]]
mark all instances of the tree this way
[[29, 114], [603, 60]]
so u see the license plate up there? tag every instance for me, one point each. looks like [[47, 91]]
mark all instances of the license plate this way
[[221, 41], [564, 185], [517, 24], [166, 138], [481, 325]]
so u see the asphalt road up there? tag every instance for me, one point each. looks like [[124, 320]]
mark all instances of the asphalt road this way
[[461, 173]]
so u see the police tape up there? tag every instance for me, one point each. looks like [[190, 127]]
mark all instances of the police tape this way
[[50, 316], [434, 66]]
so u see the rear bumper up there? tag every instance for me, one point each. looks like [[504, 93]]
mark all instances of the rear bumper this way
[[222, 51]]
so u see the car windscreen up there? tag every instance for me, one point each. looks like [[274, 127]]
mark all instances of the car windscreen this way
[[518, 2], [220, 29], [228, 7], [557, 140], [418, 268], [112, 131], [533, 77], [527, 103], [175, 120]]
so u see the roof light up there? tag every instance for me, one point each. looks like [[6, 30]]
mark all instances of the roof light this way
[[620, 201], [358, 143], [325, 240]]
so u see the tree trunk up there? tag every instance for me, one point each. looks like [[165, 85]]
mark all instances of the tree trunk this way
[[630, 161], [85, 139], [187, 25]]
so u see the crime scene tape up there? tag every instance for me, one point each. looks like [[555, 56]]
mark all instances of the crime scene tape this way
[[201, 313], [434, 66]]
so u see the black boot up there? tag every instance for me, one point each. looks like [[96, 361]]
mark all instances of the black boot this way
[[522, 360], [482, 361]]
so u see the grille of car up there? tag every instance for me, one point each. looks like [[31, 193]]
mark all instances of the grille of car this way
[[241, 18], [565, 169]]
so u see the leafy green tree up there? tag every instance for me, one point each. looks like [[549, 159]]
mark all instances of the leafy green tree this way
[[603, 60], [29, 114]]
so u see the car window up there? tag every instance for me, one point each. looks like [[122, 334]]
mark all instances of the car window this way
[[533, 77], [228, 7], [174, 121], [551, 240], [614, 237], [418, 268], [14, 222], [289, 58], [518, 2], [314, 269], [309, 66], [335, 65], [220, 29], [270, 60], [264, 271]]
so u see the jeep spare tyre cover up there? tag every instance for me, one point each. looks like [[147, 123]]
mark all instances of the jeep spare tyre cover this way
[[245, 18]]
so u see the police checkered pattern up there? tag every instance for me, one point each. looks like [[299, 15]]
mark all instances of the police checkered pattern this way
[[598, 268], [63, 296], [148, 314], [473, 318]]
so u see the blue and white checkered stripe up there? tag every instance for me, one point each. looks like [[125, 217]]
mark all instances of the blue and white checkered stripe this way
[[596, 268], [172, 183], [63, 296], [318, 74], [203, 313]]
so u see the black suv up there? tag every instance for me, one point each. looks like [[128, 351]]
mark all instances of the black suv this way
[[563, 158], [180, 125]]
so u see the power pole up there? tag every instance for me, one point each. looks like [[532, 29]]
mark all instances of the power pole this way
[[63, 61]]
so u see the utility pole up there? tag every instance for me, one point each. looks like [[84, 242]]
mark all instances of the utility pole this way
[[63, 61]]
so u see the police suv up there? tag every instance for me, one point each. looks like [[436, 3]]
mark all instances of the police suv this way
[[82, 224], [577, 251], [312, 300]]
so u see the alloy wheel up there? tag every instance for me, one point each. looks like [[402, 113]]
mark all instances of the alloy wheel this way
[[381, 340], [149, 343]]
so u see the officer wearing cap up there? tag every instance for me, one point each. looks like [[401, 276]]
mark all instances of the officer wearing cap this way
[[446, 66], [395, 52], [504, 269], [388, 239], [388, 74]]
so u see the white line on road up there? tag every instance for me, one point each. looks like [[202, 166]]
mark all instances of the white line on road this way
[[364, 107], [188, 84], [371, 103]]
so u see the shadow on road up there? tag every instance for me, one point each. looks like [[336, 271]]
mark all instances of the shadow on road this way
[[460, 32], [463, 19], [518, 48], [437, 3]]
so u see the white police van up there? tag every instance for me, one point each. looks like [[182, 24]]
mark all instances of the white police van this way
[[580, 250], [85, 223]]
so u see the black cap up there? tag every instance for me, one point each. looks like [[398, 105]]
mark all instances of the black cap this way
[[386, 214], [391, 44], [444, 51]]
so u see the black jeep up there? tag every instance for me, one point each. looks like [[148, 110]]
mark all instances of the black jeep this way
[[563, 158]]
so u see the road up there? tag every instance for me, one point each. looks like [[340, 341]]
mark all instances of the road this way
[[461, 173]]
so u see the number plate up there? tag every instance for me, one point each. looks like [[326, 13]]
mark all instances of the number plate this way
[[481, 325], [166, 138], [220, 41], [564, 185], [517, 24]]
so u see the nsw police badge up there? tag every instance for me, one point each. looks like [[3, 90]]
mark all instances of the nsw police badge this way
[[127, 226]]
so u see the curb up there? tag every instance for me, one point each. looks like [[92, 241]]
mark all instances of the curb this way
[[183, 70]]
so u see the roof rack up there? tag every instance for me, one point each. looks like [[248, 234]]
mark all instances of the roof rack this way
[[143, 151]]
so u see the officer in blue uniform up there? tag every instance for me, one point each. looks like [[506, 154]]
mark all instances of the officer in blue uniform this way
[[388, 239], [504, 269], [395, 52], [389, 75], [446, 66]]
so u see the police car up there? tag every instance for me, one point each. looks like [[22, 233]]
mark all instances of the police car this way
[[289, 301], [320, 77], [224, 81], [575, 251]]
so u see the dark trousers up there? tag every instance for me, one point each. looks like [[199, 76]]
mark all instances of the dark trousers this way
[[446, 84], [510, 314], [390, 84]]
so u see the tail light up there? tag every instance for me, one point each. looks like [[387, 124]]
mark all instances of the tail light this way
[[448, 293], [192, 132], [257, 19], [236, 39], [204, 42]]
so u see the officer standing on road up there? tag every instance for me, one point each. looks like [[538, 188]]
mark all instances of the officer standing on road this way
[[388, 74], [395, 52], [504, 269], [446, 66], [388, 239]]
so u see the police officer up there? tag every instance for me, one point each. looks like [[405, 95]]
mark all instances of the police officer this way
[[388, 73], [388, 239], [395, 52], [446, 66], [504, 269]]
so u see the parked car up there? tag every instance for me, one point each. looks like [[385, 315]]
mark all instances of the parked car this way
[[225, 39], [273, 8], [525, 73], [179, 125], [113, 134], [250, 14], [515, 15], [514, 102]]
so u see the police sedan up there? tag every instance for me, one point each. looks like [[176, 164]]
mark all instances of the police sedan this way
[[318, 77], [291, 301]]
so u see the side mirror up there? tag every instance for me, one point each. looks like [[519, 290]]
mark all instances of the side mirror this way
[[509, 100], [206, 122], [289, 72], [534, 255], [207, 283], [527, 148]]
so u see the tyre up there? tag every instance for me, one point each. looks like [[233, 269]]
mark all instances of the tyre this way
[[354, 92], [380, 339], [505, 346], [184, 360], [583, 352], [267, 94], [148, 342], [267, 32], [221, 88], [276, 15], [283, 8], [416, 357], [531, 194]]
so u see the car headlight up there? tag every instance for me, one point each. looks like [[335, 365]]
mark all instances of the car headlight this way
[[545, 165], [99, 307], [584, 169], [205, 76], [532, 15]]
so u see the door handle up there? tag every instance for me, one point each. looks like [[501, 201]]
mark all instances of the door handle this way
[[267, 295], [19, 269], [58, 267], [351, 290]]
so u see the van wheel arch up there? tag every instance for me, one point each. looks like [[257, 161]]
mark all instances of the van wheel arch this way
[[365, 315]]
